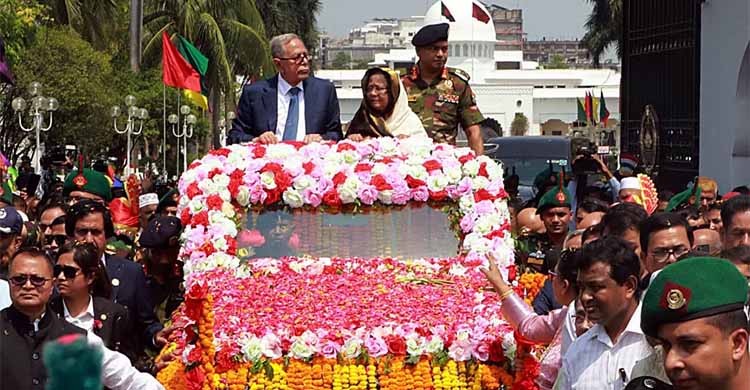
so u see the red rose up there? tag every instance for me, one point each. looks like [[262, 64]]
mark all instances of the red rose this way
[[495, 233], [185, 217], [231, 245], [234, 186], [396, 345], [195, 355], [193, 190], [483, 195], [502, 194], [511, 272], [380, 183], [414, 183], [207, 248], [331, 198], [201, 219], [214, 202], [432, 165], [345, 146], [439, 195], [273, 197], [466, 158], [220, 152], [283, 180], [363, 167], [497, 354], [272, 167], [339, 179], [483, 170], [194, 164], [259, 151], [214, 172], [309, 166]]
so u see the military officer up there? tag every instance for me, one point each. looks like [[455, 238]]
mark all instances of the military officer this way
[[554, 210], [696, 309], [161, 246], [439, 95], [87, 184]]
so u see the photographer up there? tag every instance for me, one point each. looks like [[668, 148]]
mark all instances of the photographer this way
[[585, 164]]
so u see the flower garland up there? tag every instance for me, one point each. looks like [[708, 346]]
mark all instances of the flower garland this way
[[529, 285]]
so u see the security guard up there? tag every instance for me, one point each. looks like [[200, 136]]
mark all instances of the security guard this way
[[696, 309], [439, 95], [161, 246], [554, 210]]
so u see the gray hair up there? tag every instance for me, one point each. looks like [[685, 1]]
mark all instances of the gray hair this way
[[278, 42]]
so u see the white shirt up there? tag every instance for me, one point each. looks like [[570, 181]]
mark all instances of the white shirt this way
[[593, 362], [282, 108], [4, 294], [118, 373], [85, 320]]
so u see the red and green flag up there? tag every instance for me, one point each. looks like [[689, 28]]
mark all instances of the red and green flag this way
[[199, 62], [176, 71], [603, 111]]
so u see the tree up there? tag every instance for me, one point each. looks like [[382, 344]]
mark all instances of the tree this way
[[557, 62], [341, 61], [291, 16], [230, 33], [95, 20], [520, 124], [80, 78], [604, 27]]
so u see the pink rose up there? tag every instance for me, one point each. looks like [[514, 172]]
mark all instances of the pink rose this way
[[311, 197], [420, 194], [368, 194], [376, 346], [467, 222], [330, 349]]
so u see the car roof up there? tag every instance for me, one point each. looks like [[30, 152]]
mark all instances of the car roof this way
[[532, 146]]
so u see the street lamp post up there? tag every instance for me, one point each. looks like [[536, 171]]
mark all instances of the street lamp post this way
[[39, 105], [223, 127], [135, 114], [188, 123]]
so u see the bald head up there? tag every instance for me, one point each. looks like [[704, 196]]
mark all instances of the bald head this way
[[590, 219], [707, 240], [529, 221]]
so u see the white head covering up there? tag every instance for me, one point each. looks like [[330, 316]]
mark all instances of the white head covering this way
[[630, 183], [403, 121], [148, 200]]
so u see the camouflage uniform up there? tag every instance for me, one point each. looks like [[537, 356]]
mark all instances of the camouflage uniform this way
[[444, 104], [531, 252]]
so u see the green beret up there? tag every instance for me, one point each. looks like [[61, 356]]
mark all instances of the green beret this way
[[430, 34], [556, 197], [89, 181], [692, 288]]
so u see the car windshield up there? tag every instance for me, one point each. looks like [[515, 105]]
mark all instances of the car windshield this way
[[415, 231], [527, 168]]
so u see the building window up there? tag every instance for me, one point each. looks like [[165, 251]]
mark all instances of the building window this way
[[466, 50]]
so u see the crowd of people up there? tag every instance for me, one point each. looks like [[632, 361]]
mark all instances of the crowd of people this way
[[72, 260], [634, 300]]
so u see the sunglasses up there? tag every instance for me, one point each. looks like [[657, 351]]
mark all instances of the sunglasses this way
[[68, 271], [58, 239], [21, 280]]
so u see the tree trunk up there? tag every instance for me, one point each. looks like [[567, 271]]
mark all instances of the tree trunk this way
[[217, 111], [136, 33]]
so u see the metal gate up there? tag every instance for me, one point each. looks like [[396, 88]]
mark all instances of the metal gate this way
[[661, 68]]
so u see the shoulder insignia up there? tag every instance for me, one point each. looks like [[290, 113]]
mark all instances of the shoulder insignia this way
[[460, 73]]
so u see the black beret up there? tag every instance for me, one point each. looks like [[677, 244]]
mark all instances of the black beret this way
[[430, 34], [160, 231]]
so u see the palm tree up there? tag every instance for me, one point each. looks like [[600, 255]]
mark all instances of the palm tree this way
[[229, 32], [94, 20], [291, 16], [604, 27]]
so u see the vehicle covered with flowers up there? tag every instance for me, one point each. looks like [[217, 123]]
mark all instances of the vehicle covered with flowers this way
[[342, 266]]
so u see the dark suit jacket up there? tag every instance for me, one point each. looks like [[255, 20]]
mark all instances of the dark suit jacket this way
[[115, 330], [129, 290], [257, 110], [21, 365]]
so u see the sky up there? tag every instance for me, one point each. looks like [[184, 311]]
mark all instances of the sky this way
[[553, 19]]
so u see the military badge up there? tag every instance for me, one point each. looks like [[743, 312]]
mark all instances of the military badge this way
[[449, 83], [80, 180], [448, 98], [675, 297], [560, 197]]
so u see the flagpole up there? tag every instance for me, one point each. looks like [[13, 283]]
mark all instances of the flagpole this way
[[179, 146], [164, 130]]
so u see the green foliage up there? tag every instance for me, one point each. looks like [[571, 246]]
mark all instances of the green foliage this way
[[94, 20], [520, 124], [557, 62], [80, 78], [18, 25], [291, 16], [341, 61], [604, 28]]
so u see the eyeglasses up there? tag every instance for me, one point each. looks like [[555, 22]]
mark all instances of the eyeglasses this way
[[68, 271], [21, 280], [298, 59], [662, 254], [57, 221], [552, 274], [58, 239]]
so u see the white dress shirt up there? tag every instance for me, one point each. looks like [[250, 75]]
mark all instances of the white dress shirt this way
[[594, 362], [282, 108], [4, 294], [118, 373], [85, 320]]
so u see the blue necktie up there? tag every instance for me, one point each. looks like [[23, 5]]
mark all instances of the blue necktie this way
[[292, 116]]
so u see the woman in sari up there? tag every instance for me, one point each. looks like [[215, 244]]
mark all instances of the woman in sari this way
[[384, 111]]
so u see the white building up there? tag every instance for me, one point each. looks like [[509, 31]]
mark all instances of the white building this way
[[503, 82], [725, 92]]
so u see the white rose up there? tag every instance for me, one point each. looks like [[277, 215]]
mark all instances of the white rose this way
[[479, 182], [385, 196], [293, 198], [267, 179], [243, 196], [379, 169], [303, 182], [434, 345], [471, 168], [350, 157], [228, 210], [437, 183], [466, 203], [352, 348], [252, 350], [453, 174], [415, 346]]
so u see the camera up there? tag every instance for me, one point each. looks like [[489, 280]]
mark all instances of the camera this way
[[584, 164]]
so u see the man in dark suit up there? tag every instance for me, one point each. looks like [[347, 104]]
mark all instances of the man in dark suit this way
[[90, 221], [291, 106]]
